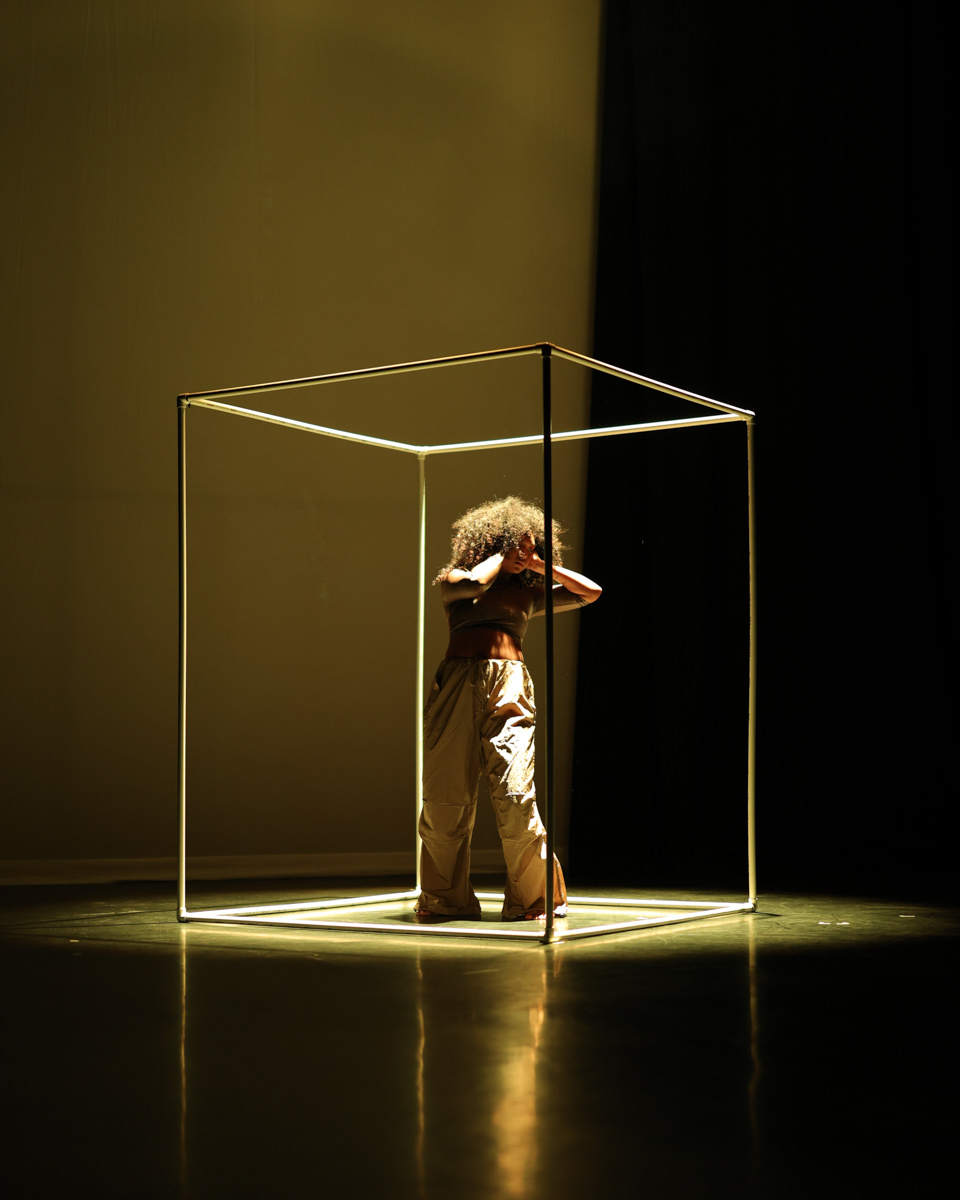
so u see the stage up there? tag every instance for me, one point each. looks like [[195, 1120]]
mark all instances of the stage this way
[[774, 1054]]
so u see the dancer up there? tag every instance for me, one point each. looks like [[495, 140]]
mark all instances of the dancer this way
[[480, 713]]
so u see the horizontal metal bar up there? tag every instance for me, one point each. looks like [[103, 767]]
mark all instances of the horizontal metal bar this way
[[384, 898], [533, 439], [308, 905], [608, 902], [273, 419], [573, 435], [366, 373], [566, 935], [490, 930], [190, 398], [260, 915], [632, 377], [531, 932], [496, 897]]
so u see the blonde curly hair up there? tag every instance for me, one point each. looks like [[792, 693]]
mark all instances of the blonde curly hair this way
[[496, 527]]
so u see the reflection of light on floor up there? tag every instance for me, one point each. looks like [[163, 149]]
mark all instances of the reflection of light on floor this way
[[522, 1087], [754, 1039], [421, 1102], [183, 1059], [515, 1116]]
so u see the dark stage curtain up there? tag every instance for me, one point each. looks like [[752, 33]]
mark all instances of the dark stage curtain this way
[[775, 231]]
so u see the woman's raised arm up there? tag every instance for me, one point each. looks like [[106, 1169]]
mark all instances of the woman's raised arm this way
[[466, 585], [583, 588]]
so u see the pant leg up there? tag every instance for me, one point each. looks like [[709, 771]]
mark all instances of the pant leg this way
[[507, 736], [451, 772]]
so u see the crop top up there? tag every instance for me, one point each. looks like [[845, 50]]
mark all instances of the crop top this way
[[507, 608]]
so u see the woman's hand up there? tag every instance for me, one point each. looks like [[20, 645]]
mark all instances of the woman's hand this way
[[579, 585], [525, 557]]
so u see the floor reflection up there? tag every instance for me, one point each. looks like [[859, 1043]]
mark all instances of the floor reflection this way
[[750, 1057], [480, 1034], [754, 1034], [183, 1057]]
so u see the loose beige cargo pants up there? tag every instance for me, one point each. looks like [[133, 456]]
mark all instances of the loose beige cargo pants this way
[[480, 716]]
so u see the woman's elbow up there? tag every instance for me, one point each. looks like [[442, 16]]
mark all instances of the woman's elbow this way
[[461, 589]]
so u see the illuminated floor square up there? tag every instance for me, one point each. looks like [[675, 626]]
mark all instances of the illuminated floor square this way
[[587, 916]]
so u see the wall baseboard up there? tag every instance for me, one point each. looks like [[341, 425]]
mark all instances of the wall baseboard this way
[[14, 872]]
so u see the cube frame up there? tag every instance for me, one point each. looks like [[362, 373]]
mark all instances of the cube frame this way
[[668, 911]]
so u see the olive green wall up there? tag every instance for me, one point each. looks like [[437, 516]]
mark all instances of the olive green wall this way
[[207, 193]]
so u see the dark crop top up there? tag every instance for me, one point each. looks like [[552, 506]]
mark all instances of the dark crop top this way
[[506, 608]]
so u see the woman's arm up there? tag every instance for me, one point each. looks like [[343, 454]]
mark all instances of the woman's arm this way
[[466, 585], [582, 587]]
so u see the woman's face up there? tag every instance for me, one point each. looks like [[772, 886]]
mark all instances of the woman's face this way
[[516, 560]]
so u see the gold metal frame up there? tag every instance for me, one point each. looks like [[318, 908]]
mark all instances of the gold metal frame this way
[[673, 911]]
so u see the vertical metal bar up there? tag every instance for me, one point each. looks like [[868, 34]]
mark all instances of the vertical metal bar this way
[[422, 568], [182, 715], [548, 807], [752, 700]]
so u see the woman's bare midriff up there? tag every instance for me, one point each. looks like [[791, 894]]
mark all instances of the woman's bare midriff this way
[[483, 643]]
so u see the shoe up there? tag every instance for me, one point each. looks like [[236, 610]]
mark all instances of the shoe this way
[[536, 916], [432, 918]]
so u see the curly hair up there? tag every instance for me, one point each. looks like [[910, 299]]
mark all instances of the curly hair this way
[[495, 528]]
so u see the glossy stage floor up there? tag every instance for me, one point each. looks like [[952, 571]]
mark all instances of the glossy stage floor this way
[[804, 1051]]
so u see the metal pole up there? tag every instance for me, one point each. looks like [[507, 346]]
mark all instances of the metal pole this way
[[532, 439], [752, 700], [548, 807], [419, 690], [182, 715], [289, 423], [425, 364], [458, 360], [633, 377]]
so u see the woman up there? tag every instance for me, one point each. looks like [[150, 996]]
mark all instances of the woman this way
[[480, 714]]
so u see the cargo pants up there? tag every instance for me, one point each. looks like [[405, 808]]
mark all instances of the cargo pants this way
[[480, 716]]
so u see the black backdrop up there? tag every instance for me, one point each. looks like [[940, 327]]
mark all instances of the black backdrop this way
[[775, 231]]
